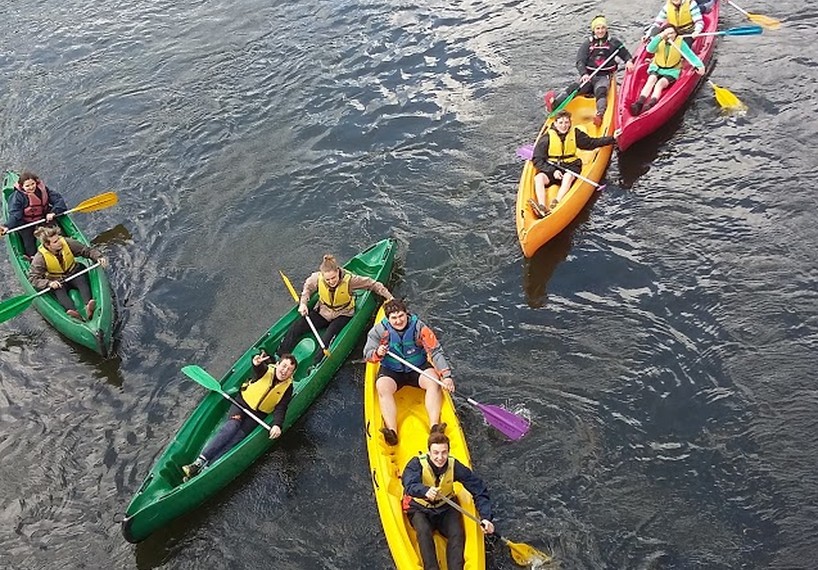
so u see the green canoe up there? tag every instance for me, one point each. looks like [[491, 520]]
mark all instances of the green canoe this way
[[163, 495], [96, 334]]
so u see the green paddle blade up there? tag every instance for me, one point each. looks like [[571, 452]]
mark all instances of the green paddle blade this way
[[526, 555], [201, 377], [10, 308]]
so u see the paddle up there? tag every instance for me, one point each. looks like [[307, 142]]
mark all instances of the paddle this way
[[291, 289], [766, 21], [526, 152], [523, 554], [10, 308], [203, 378], [99, 202], [511, 425], [737, 31], [725, 98], [573, 94]]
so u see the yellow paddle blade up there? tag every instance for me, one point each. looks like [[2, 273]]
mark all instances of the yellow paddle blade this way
[[764, 21], [289, 285], [104, 200], [726, 99], [526, 555]]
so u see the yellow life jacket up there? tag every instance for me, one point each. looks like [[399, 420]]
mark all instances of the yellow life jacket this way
[[53, 268], [560, 150], [680, 16], [445, 485], [263, 395], [667, 56], [338, 299]]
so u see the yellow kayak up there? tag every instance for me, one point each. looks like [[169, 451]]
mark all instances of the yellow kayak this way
[[386, 464], [533, 232]]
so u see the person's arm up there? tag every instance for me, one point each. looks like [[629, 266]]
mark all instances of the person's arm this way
[[582, 57], [653, 44], [426, 338], [374, 338], [476, 487], [412, 479], [587, 142], [56, 204], [357, 282], [698, 20], [540, 155], [80, 249], [36, 273], [280, 411], [310, 287], [660, 19], [16, 207]]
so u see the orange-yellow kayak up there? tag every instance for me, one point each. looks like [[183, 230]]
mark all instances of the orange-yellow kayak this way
[[386, 464], [532, 232]]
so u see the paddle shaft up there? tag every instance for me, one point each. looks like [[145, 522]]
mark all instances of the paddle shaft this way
[[580, 176], [422, 372], [295, 297], [258, 420], [573, 94], [67, 279], [739, 31], [81, 207], [739, 8]]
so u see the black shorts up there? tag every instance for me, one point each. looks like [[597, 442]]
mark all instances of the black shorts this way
[[575, 167], [402, 379], [670, 80]]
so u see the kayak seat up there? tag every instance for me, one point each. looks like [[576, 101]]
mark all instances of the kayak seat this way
[[304, 352]]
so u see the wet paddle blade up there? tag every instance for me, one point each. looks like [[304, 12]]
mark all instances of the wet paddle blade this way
[[201, 377], [511, 425], [10, 308], [726, 99], [526, 555], [526, 152], [99, 202], [766, 21]]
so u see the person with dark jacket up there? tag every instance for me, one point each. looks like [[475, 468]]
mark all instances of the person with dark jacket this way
[[31, 201], [55, 262], [425, 480], [270, 392], [595, 52], [555, 159]]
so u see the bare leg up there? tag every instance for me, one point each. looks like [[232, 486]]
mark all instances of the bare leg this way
[[541, 182], [386, 396], [649, 84], [434, 396], [567, 180], [660, 86]]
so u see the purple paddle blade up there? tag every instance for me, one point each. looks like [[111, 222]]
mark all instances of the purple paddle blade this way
[[526, 152], [513, 426]]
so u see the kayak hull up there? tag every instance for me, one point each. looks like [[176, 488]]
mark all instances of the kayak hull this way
[[532, 232], [163, 496], [673, 99], [96, 334], [386, 464]]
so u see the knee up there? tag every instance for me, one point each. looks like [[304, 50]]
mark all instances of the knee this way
[[385, 387]]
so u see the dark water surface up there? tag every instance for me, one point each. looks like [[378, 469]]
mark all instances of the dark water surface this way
[[665, 345]]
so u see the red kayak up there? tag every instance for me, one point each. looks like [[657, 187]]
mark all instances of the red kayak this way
[[674, 97]]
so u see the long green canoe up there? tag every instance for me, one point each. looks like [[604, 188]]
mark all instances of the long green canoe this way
[[163, 495], [96, 334]]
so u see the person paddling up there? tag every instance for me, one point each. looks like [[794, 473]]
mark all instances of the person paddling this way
[[425, 480], [55, 260], [270, 392], [31, 201], [408, 337], [594, 52], [336, 302], [684, 15], [670, 52], [555, 159]]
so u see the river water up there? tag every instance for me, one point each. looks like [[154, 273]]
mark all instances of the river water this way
[[664, 346]]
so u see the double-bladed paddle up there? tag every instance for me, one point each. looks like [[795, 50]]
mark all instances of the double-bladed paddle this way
[[295, 297], [203, 378], [511, 425], [522, 553], [10, 308], [99, 202], [573, 93]]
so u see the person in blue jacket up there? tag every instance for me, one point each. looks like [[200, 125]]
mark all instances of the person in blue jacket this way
[[425, 480], [31, 201]]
